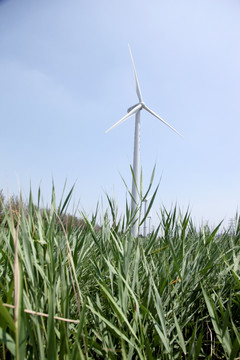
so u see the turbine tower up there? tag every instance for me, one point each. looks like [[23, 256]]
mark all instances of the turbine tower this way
[[135, 109]]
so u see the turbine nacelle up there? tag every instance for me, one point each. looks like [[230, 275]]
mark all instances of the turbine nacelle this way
[[132, 107]]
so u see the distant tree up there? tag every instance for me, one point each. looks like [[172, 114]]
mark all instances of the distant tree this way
[[15, 205], [73, 221]]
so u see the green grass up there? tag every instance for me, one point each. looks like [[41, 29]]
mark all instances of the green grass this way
[[173, 295]]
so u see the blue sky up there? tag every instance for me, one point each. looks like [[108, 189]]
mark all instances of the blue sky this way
[[66, 77]]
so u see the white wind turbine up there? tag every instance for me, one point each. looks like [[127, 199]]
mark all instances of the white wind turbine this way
[[135, 109]]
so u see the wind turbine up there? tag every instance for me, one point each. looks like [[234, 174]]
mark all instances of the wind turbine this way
[[135, 109]]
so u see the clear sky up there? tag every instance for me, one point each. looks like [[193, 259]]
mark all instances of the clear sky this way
[[66, 76]]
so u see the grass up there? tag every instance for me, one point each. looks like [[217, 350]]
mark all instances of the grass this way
[[78, 292]]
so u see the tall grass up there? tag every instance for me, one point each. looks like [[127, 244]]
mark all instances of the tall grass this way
[[82, 293]]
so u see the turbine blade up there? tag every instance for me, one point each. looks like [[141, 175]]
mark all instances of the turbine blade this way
[[158, 117], [136, 78], [132, 112]]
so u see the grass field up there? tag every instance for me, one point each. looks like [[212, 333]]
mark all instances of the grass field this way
[[82, 292]]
